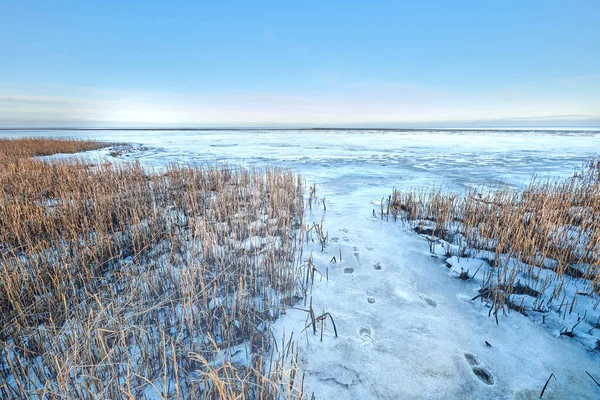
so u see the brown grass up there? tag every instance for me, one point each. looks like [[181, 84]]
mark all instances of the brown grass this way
[[117, 281], [33, 147], [552, 225]]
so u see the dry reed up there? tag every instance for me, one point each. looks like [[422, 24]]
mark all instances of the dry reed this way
[[534, 239], [117, 281]]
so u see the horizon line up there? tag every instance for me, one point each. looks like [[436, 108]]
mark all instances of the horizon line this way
[[316, 128]]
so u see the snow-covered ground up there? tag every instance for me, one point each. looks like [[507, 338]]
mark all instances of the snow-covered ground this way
[[407, 328]]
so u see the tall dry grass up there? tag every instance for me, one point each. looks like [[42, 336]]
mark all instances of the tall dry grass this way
[[121, 282], [553, 225], [25, 147]]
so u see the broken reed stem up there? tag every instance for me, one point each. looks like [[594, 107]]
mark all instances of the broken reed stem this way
[[546, 385], [595, 381]]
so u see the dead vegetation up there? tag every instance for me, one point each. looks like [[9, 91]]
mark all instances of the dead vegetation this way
[[32, 147], [534, 241], [121, 282]]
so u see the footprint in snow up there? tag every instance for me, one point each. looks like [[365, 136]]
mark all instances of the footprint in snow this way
[[348, 270], [356, 254], [472, 359], [428, 301], [365, 335], [483, 374]]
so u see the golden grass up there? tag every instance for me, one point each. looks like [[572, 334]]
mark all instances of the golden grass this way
[[32, 146], [552, 225], [117, 281]]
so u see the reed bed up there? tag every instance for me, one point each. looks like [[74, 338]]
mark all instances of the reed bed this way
[[539, 248], [117, 281], [26, 147]]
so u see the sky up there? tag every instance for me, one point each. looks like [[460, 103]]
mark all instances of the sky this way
[[299, 63]]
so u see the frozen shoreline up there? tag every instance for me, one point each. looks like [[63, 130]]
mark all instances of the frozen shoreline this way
[[406, 330], [409, 329]]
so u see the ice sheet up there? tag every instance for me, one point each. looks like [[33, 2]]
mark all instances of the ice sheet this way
[[407, 327]]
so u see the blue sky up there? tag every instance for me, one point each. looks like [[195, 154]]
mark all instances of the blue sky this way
[[282, 63]]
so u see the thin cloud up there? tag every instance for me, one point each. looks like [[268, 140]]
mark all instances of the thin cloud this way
[[354, 103]]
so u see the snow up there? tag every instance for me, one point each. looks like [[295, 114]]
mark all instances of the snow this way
[[407, 327], [416, 338]]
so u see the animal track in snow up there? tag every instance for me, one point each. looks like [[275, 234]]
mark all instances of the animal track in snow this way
[[365, 335], [428, 301], [377, 266], [472, 359], [348, 270], [481, 373], [356, 254], [371, 300]]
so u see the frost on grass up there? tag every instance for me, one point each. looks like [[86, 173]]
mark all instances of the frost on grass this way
[[116, 281], [535, 252]]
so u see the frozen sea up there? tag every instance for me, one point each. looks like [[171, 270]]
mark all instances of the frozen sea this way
[[406, 328], [349, 160]]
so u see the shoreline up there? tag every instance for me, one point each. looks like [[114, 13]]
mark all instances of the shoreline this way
[[391, 300]]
